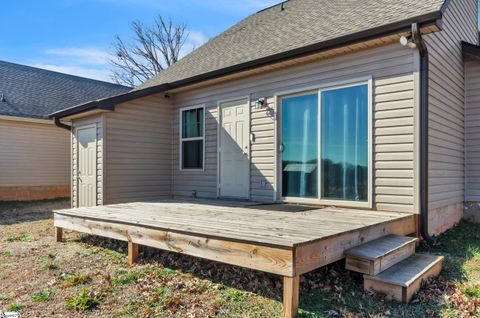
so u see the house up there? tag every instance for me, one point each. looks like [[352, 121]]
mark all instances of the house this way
[[34, 153], [357, 106]]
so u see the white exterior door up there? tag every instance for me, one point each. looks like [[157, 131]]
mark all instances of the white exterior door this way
[[87, 166], [234, 149]]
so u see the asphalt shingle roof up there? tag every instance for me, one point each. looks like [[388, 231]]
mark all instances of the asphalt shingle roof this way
[[34, 93], [301, 23]]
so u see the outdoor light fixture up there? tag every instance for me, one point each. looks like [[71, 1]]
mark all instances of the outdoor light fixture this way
[[407, 41], [260, 103]]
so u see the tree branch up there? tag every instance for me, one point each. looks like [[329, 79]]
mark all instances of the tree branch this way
[[154, 48]]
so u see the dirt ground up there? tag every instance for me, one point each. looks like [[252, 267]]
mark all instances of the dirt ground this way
[[87, 276]]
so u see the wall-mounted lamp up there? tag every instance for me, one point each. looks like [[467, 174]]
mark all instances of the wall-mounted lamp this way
[[260, 103], [408, 41]]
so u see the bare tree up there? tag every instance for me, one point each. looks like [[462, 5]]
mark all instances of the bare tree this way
[[154, 48]]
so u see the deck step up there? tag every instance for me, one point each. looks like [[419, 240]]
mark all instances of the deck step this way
[[376, 256], [403, 280]]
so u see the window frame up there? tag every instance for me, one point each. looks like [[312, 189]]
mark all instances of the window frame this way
[[320, 89], [181, 139]]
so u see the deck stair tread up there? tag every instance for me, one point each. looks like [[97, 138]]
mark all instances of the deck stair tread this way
[[378, 255], [380, 247], [408, 271]]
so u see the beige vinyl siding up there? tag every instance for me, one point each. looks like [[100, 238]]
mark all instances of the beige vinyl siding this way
[[447, 99], [392, 68], [33, 154], [139, 150], [394, 142], [96, 120], [262, 167], [472, 122]]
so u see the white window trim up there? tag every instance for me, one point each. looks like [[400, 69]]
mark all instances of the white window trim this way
[[322, 88], [181, 110]]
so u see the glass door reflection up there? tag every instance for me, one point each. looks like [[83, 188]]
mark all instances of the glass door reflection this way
[[299, 146], [344, 140]]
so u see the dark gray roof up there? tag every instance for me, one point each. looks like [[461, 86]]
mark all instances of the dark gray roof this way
[[34, 93], [273, 35], [300, 24]]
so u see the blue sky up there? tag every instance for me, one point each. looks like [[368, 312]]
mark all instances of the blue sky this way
[[75, 36]]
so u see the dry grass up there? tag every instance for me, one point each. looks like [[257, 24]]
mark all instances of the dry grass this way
[[87, 276]]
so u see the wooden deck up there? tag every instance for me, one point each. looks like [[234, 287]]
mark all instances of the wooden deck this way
[[260, 237]]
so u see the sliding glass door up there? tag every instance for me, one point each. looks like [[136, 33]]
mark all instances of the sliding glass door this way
[[300, 146], [325, 144], [344, 140]]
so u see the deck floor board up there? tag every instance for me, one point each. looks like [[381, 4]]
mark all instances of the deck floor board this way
[[238, 220]]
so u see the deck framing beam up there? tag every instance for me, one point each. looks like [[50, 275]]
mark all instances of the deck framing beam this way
[[260, 257]]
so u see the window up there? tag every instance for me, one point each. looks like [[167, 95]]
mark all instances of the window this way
[[325, 145], [192, 138]]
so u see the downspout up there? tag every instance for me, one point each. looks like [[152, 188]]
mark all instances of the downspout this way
[[424, 91], [58, 123]]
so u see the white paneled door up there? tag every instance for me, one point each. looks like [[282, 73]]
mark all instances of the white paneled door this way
[[234, 149], [87, 166]]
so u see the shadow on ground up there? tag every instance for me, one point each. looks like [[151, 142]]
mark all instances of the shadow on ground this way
[[14, 212], [332, 291]]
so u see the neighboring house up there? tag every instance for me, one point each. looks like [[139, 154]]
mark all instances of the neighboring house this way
[[34, 153], [309, 101]]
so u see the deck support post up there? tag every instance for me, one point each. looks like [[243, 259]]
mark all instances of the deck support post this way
[[132, 252], [58, 234], [291, 288]]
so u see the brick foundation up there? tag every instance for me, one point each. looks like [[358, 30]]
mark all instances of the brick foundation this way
[[26, 193]]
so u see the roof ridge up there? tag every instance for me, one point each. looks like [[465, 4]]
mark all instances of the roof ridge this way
[[272, 6], [38, 69]]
